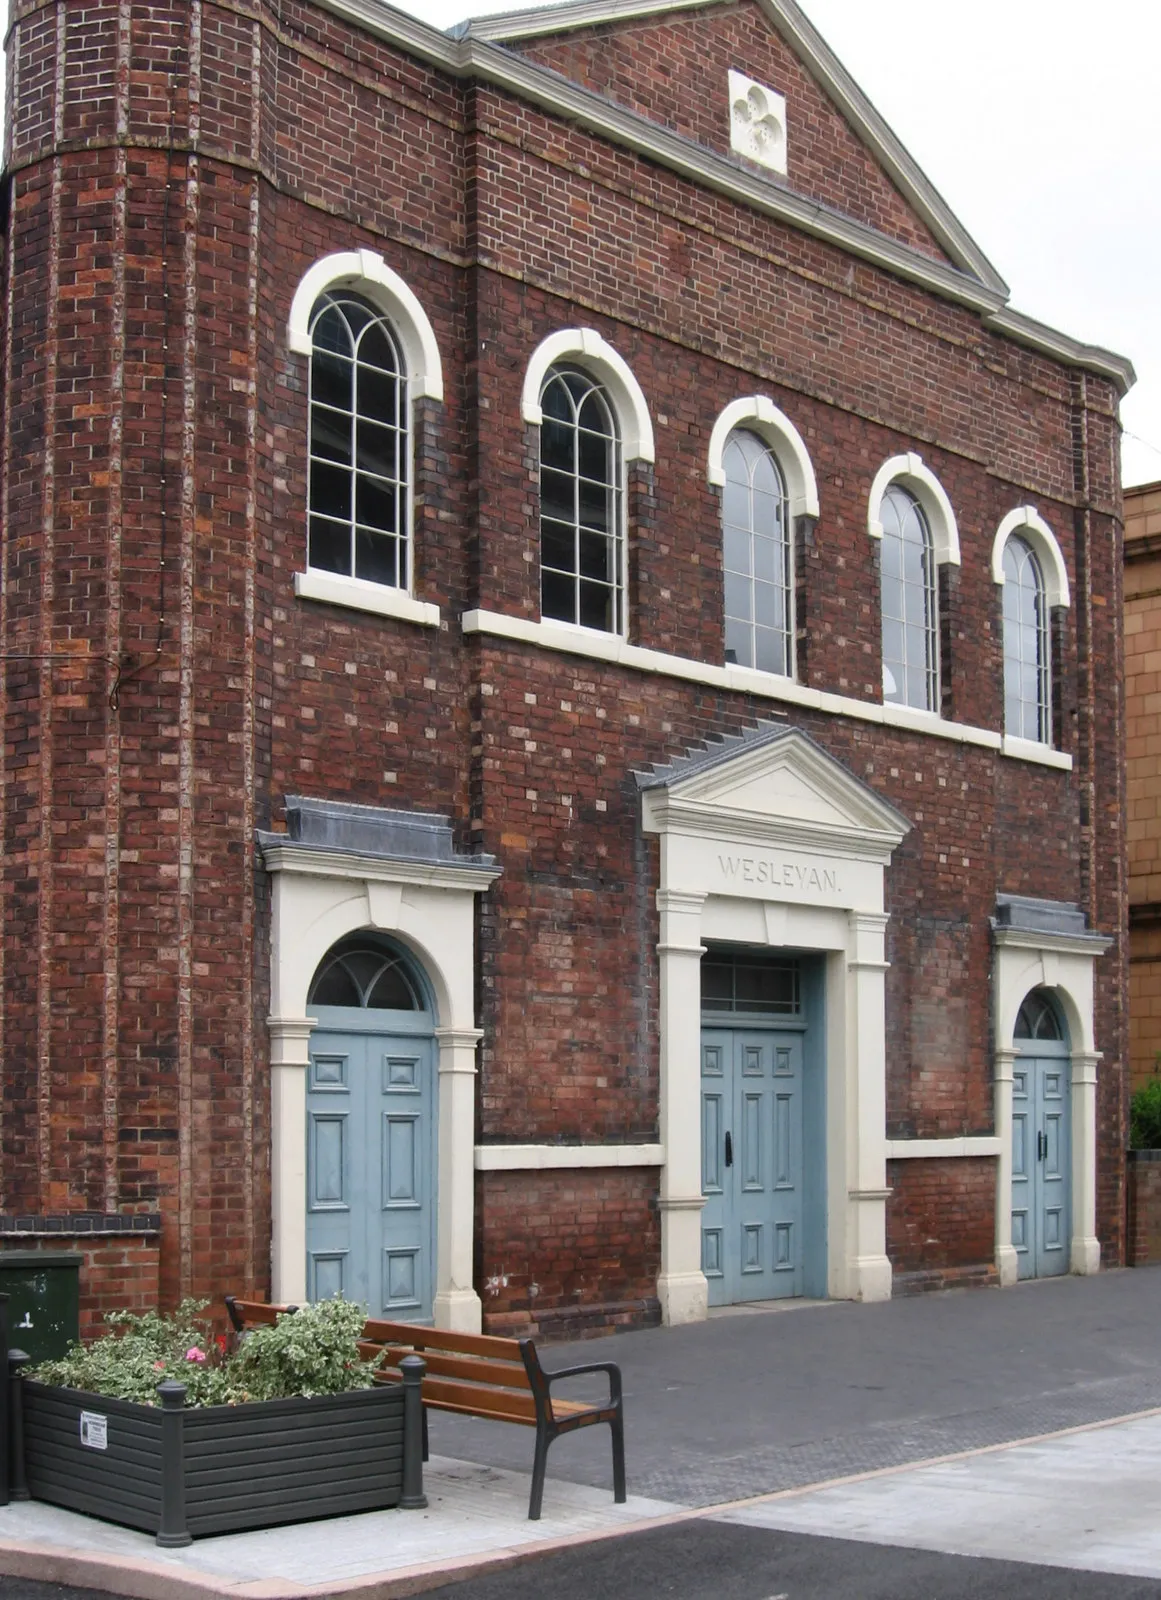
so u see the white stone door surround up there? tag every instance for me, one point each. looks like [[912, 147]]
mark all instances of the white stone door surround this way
[[343, 868], [766, 839], [1044, 944]]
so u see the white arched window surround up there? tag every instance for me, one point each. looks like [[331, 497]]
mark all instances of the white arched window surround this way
[[1031, 526], [759, 415], [367, 272], [910, 472], [598, 358]]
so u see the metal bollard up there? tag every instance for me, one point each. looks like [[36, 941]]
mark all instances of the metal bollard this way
[[173, 1533], [5, 1420], [413, 1497], [17, 1480]]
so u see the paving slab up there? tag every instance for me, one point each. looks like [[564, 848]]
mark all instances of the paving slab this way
[[1088, 1500], [475, 1512]]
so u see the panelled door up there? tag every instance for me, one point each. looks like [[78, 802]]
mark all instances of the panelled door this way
[[752, 1124], [371, 1131], [370, 1179], [1041, 1144]]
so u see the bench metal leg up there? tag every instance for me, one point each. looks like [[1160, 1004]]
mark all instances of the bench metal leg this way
[[539, 1464], [617, 1428]]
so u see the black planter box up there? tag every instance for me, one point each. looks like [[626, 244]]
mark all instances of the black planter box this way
[[179, 1473]]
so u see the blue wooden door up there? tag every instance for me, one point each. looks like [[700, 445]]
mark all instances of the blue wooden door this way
[[371, 1164], [1041, 1160], [752, 1233]]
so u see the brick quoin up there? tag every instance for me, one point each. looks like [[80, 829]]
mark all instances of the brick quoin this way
[[173, 171]]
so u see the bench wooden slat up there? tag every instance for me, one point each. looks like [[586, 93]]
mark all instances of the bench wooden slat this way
[[560, 1408], [485, 1401], [257, 1312], [424, 1339], [505, 1374]]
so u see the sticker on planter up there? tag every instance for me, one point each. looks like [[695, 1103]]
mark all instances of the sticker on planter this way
[[94, 1430]]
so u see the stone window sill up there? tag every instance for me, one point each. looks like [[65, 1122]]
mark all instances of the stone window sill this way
[[747, 680], [1030, 750], [359, 595]]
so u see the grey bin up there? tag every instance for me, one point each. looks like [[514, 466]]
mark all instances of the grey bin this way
[[43, 1289]]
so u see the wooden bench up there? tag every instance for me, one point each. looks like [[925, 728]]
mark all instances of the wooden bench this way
[[480, 1375]]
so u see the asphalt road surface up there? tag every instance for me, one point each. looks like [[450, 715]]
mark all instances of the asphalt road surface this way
[[707, 1560], [716, 1561]]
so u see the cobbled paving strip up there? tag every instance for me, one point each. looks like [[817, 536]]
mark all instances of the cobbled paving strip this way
[[894, 1444]]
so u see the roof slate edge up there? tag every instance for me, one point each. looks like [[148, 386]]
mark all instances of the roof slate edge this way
[[470, 56]]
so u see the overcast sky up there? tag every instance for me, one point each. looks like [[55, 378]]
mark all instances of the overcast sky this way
[[1039, 122]]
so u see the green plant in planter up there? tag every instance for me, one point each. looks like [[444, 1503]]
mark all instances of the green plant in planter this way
[[313, 1352], [1145, 1117]]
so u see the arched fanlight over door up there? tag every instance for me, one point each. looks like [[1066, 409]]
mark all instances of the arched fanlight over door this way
[[359, 972], [1038, 1018]]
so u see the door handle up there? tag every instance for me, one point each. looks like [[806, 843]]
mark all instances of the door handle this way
[[1041, 1146], [729, 1151]]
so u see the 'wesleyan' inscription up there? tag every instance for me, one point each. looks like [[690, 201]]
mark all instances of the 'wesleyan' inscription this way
[[784, 874]]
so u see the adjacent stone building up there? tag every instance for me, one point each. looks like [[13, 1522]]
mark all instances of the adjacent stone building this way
[[1143, 773], [562, 686]]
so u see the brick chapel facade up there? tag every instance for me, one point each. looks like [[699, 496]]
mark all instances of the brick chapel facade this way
[[562, 694]]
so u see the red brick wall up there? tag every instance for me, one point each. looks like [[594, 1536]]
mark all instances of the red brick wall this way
[[568, 1252], [673, 70], [941, 1222], [1143, 1176], [119, 1272], [169, 690]]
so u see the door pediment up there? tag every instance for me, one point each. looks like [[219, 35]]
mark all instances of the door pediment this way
[[771, 784]]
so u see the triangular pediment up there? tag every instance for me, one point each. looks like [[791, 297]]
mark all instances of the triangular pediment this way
[[771, 782], [841, 153]]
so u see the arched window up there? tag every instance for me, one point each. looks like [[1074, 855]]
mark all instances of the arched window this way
[[361, 972], [1027, 654], [757, 557], [1028, 563], [359, 443], [1038, 1018], [581, 503], [910, 603]]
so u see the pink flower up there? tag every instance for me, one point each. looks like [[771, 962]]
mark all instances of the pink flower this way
[[194, 1354], [159, 1366]]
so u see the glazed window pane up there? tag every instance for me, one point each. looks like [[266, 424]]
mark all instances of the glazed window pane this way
[[581, 504], [1027, 655], [358, 466], [907, 576], [757, 559]]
